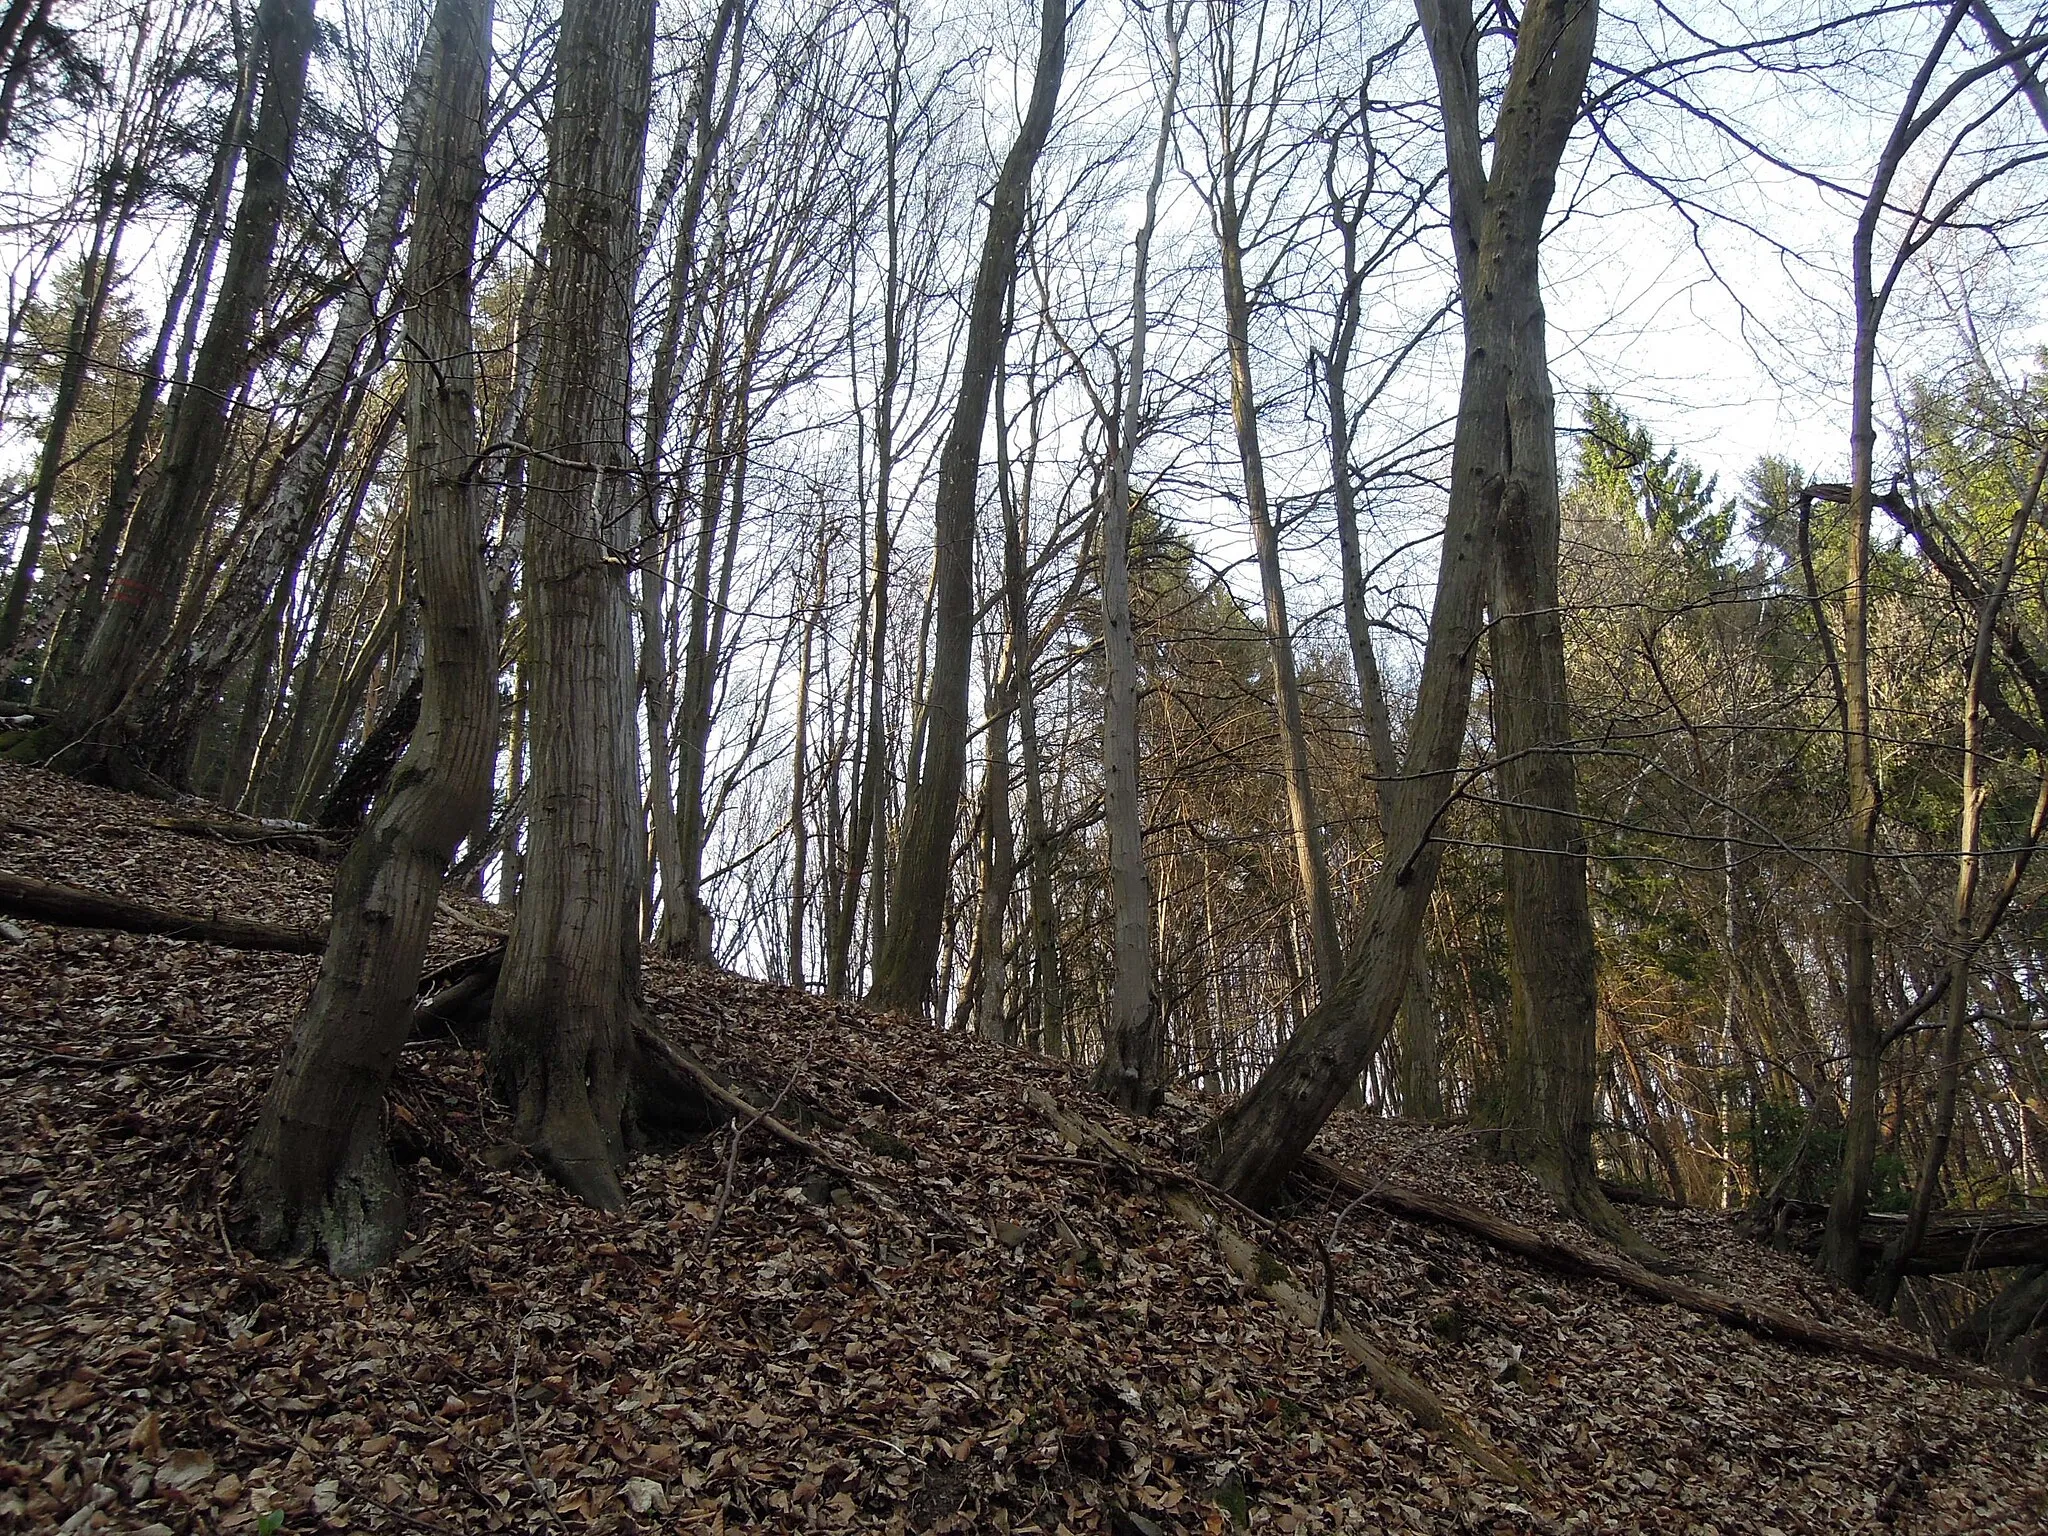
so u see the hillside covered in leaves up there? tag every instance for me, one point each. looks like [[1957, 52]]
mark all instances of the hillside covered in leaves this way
[[946, 1316]]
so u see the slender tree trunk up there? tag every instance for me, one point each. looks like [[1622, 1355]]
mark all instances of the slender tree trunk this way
[[188, 293], [1969, 931], [1841, 1245], [561, 1026], [317, 1175], [1420, 1074], [1311, 865], [799, 772], [1498, 223], [909, 953], [1132, 1071]]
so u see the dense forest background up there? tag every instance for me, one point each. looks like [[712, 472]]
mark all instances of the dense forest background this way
[[881, 674]]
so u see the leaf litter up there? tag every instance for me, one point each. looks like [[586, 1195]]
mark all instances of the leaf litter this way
[[987, 1330]]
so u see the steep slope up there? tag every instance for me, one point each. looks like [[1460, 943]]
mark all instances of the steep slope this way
[[972, 1325]]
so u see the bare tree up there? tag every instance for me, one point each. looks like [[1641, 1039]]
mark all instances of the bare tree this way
[[1502, 451], [561, 1038]]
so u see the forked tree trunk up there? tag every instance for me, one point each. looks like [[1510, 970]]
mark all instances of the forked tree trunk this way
[[561, 1027], [317, 1174], [1498, 227], [908, 958], [1546, 1103]]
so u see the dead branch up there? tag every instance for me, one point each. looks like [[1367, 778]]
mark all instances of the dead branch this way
[[310, 841], [1260, 1269]]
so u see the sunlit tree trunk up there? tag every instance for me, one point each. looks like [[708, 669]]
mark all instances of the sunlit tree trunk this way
[[1498, 226]]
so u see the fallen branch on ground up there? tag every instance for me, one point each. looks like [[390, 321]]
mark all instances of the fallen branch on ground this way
[[310, 841], [1550, 1253]]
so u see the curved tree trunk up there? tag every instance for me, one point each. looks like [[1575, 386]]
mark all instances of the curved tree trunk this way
[[561, 1028], [317, 1174]]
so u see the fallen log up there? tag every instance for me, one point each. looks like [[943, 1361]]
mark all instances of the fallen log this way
[[1956, 1242], [46, 901], [1260, 1269], [1766, 1322]]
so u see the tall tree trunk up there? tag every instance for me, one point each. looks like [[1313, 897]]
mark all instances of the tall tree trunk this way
[[1311, 865], [1419, 1078], [188, 293], [1841, 1245], [799, 770], [1969, 929], [1132, 1071], [141, 606], [1498, 224], [909, 953], [317, 1175], [96, 283], [561, 1026]]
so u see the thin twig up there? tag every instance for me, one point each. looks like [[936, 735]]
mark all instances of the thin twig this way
[[732, 1155]]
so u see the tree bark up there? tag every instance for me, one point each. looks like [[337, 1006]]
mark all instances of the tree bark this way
[[1969, 929], [562, 1026], [1311, 864], [317, 1175], [1841, 1255], [908, 959], [269, 549], [1419, 1078]]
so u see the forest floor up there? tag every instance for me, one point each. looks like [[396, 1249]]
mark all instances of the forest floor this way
[[986, 1331]]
